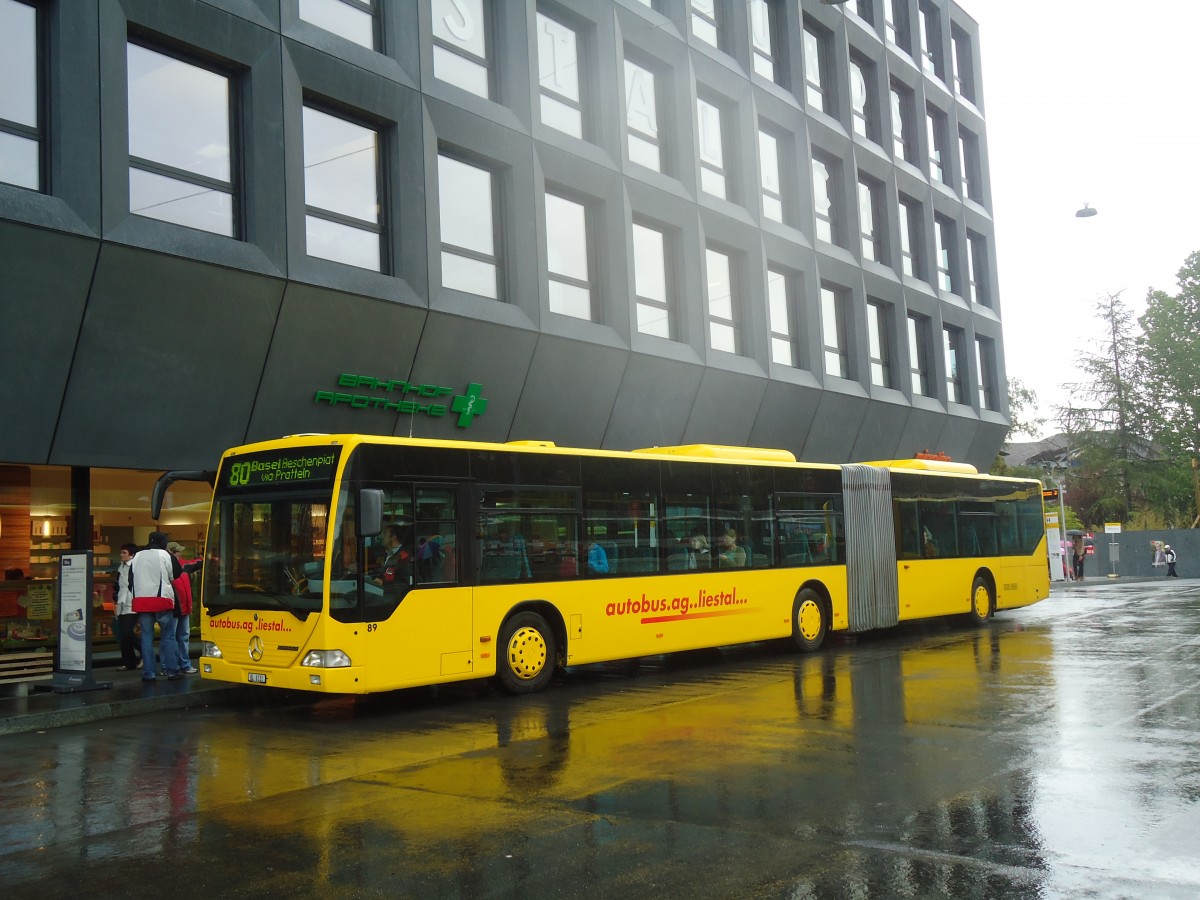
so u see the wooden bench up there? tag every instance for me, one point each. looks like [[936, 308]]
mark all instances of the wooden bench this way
[[19, 670]]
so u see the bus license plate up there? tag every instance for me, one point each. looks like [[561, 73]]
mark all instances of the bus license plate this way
[[257, 678]]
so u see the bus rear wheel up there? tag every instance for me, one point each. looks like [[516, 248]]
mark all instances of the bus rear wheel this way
[[810, 621], [530, 654], [982, 601]]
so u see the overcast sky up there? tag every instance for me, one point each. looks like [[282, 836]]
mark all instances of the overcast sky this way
[[1086, 101]]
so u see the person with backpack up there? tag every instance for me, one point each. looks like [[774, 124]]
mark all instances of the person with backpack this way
[[1169, 556]]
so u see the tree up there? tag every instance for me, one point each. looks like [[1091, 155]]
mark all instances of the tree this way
[[1023, 407], [1169, 350], [1102, 415], [1023, 420], [1022, 411]]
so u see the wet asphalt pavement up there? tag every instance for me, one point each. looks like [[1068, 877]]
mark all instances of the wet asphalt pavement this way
[[1052, 754]]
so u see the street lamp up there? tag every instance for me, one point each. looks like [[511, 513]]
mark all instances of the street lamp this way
[[1085, 213]]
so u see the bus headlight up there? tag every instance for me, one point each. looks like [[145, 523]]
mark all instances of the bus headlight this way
[[326, 659], [209, 649]]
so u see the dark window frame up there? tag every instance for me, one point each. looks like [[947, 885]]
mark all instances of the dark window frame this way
[[235, 187], [38, 131]]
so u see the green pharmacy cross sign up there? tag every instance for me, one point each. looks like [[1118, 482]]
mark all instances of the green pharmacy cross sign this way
[[427, 399]]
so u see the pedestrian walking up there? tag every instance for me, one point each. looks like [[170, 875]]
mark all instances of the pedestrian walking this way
[[1169, 556]]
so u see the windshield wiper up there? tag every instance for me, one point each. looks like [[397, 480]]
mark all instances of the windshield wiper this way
[[251, 600]]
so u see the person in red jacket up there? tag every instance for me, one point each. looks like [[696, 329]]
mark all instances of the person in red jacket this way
[[183, 607]]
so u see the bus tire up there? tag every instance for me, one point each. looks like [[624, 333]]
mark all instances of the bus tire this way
[[983, 603], [810, 621], [529, 654]]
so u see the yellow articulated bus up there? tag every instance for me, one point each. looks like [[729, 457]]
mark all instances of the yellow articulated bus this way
[[359, 563]]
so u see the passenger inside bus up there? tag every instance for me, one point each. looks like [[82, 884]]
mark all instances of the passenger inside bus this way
[[730, 555], [597, 559], [929, 548]]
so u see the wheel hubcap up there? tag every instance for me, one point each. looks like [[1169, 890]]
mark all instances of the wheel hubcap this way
[[808, 620], [527, 653], [981, 602]]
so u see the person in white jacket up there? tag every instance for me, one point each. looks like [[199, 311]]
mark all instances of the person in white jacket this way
[[154, 601], [124, 617]]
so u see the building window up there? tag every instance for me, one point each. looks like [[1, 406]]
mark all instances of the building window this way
[[780, 288], [460, 45], [865, 10], [705, 24], [764, 39], [910, 238], [977, 268], [769, 176], [952, 343], [352, 19], [817, 87], [985, 364], [870, 219], [918, 353], [466, 207], [20, 109], [558, 76], [938, 158], [825, 205], [179, 142], [641, 117], [931, 41], [895, 23], [567, 257], [879, 337], [964, 66], [972, 173], [722, 326], [833, 332], [946, 237], [904, 135], [341, 191], [863, 107], [712, 149], [650, 281]]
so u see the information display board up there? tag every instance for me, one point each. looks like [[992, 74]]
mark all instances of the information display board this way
[[73, 659]]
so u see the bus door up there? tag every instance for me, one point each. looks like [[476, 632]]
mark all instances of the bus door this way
[[416, 613]]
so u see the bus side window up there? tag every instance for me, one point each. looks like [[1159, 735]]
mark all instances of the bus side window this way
[[435, 547], [910, 534], [1006, 521], [937, 527]]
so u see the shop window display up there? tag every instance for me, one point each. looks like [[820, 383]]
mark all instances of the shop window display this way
[[37, 525]]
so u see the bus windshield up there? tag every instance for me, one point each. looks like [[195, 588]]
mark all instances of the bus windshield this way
[[266, 553], [266, 534]]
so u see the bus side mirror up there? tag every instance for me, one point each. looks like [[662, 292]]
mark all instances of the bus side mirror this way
[[370, 512]]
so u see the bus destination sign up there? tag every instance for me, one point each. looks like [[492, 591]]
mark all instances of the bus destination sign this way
[[281, 468]]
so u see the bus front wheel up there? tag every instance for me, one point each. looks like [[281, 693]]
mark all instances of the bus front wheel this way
[[982, 602], [810, 621], [530, 653]]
